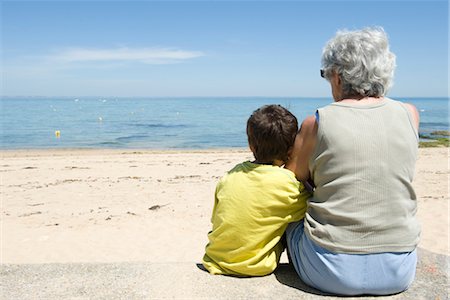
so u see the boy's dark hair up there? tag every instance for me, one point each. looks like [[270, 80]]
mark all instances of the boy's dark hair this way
[[271, 131]]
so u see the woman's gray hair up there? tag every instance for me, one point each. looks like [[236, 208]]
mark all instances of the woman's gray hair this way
[[363, 61]]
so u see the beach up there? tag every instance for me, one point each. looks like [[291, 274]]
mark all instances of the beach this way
[[133, 224], [109, 205], [70, 206]]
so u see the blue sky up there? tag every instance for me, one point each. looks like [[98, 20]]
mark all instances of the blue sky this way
[[208, 48]]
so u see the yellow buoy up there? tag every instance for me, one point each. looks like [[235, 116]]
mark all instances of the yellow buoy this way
[[58, 134]]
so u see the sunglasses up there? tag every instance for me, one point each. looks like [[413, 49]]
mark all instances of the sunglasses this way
[[322, 73]]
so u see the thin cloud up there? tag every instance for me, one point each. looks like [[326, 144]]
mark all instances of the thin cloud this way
[[142, 55]]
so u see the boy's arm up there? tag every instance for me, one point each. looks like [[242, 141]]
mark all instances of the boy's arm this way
[[304, 145]]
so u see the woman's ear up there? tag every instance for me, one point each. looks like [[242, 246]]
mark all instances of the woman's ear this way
[[336, 79], [336, 86]]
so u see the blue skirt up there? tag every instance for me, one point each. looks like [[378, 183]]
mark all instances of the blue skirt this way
[[349, 274]]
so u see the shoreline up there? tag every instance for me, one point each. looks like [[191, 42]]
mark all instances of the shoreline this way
[[76, 151], [427, 138], [118, 205]]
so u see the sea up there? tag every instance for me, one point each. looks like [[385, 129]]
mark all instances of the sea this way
[[158, 123]]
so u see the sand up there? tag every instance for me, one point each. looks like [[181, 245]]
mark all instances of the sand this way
[[102, 206]]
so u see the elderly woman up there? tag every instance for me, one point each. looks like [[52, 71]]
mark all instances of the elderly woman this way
[[360, 232]]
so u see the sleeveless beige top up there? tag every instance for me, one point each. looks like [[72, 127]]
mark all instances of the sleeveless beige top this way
[[363, 167]]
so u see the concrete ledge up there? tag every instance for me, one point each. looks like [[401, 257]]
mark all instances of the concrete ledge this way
[[187, 281]]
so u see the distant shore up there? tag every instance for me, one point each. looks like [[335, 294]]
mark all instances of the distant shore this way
[[117, 205]]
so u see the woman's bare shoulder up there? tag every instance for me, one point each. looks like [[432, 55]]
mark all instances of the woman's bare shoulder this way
[[414, 114]]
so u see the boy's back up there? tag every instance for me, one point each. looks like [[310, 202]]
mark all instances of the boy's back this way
[[253, 205]]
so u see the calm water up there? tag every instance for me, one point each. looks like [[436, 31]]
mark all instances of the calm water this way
[[157, 123]]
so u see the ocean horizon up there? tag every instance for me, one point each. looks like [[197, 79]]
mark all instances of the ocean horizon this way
[[159, 122]]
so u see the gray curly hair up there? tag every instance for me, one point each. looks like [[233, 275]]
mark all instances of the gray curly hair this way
[[363, 61]]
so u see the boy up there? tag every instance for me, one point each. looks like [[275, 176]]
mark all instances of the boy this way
[[255, 201]]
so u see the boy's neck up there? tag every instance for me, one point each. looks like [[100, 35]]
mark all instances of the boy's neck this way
[[276, 162]]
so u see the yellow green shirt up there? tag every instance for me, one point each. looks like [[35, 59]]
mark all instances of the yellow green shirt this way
[[253, 205]]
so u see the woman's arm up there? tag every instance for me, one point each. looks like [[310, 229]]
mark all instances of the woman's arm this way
[[304, 145], [414, 114]]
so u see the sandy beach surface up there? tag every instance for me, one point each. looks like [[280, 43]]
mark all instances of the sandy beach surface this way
[[102, 206], [132, 224]]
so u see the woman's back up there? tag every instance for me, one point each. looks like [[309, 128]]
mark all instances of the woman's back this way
[[363, 167]]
